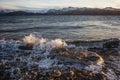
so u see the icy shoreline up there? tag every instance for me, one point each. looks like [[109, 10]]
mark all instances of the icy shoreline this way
[[39, 58]]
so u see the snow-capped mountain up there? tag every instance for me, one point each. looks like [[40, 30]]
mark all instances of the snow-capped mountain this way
[[64, 11], [42, 10]]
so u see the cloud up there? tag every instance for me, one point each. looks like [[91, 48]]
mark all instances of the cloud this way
[[16, 4], [116, 3], [9, 7]]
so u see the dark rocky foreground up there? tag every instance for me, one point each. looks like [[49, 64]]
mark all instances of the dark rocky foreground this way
[[80, 60]]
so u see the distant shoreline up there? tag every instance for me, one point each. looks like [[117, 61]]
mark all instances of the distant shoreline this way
[[64, 11], [61, 15]]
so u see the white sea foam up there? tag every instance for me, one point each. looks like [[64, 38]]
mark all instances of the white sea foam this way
[[43, 43], [33, 39]]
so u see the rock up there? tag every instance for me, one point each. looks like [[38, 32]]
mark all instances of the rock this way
[[26, 47], [57, 73], [77, 56], [51, 79], [72, 73], [19, 59], [114, 43]]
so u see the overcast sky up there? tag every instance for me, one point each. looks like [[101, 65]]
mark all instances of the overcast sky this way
[[36, 4]]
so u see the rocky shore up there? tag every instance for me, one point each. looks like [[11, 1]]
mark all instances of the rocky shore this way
[[59, 60]]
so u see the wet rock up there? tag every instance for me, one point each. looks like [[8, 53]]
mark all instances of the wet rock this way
[[19, 59], [57, 73], [113, 43], [51, 79], [72, 73], [77, 56], [4, 75], [26, 47]]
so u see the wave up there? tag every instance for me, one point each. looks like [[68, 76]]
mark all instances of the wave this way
[[41, 28], [23, 29]]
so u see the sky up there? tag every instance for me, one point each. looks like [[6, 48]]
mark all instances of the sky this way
[[41, 4]]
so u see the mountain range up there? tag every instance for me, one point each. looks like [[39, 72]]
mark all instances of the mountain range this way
[[64, 11]]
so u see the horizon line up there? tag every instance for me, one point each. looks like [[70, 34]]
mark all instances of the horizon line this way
[[29, 8]]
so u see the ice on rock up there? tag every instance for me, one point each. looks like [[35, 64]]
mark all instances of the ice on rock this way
[[47, 54], [47, 63]]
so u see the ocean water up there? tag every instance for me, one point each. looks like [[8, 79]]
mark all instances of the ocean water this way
[[64, 27]]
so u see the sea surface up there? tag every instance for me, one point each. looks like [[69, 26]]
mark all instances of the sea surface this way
[[64, 27]]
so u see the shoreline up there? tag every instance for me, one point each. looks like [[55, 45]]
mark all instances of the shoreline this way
[[57, 59]]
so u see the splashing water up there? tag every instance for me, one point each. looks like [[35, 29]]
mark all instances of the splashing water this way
[[43, 43], [33, 39]]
